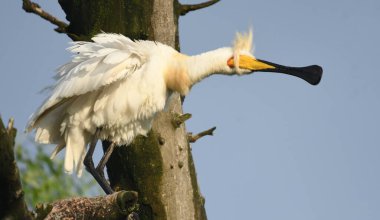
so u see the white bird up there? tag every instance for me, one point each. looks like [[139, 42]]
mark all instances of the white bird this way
[[116, 86]]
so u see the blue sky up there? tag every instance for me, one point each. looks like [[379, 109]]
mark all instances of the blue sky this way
[[282, 149]]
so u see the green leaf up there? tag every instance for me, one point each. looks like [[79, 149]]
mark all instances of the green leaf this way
[[44, 180]]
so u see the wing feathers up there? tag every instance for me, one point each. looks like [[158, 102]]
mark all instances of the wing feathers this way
[[97, 62], [111, 57], [116, 57]]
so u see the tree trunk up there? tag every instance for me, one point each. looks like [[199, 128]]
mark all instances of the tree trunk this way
[[159, 167], [12, 204]]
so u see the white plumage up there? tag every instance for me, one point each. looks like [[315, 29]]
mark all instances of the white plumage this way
[[119, 85]]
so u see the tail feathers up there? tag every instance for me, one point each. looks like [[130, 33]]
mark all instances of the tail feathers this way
[[75, 150], [57, 149], [48, 124], [69, 159]]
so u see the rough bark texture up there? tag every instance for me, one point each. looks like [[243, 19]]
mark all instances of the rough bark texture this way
[[119, 205], [159, 167], [12, 204]]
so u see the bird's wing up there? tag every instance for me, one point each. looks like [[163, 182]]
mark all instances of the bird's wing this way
[[111, 57]]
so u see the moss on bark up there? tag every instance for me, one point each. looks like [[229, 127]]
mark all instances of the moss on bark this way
[[138, 167], [89, 17]]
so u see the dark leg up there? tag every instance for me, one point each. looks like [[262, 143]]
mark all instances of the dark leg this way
[[89, 164], [103, 161]]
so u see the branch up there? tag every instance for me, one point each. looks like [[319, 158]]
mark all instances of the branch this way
[[115, 206], [194, 138], [34, 8], [184, 9]]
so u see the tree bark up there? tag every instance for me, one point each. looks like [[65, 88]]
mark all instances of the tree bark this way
[[12, 203], [160, 166]]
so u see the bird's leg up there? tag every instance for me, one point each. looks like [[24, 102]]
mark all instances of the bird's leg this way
[[89, 164], [104, 160]]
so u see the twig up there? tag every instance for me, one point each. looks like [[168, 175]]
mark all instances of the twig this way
[[184, 9], [34, 8], [180, 119], [194, 138]]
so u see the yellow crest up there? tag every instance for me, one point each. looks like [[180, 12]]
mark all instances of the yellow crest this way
[[243, 41]]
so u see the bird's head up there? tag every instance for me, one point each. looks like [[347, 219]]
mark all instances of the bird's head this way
[[242, 61]]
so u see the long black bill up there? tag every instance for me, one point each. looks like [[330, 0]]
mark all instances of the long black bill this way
[[311, 74]]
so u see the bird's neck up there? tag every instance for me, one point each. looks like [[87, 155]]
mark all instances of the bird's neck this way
[[188, 70], [205, 64]]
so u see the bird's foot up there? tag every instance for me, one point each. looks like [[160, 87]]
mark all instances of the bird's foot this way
[[98, 176], [98, 172]]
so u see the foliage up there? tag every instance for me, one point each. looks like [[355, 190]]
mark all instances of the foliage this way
[[44, 180]]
